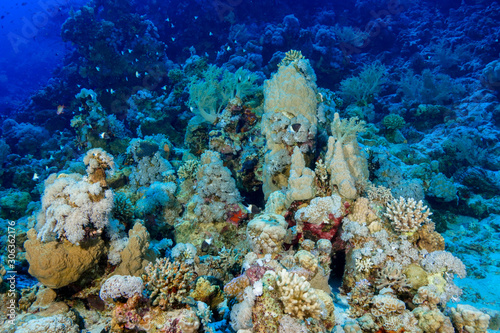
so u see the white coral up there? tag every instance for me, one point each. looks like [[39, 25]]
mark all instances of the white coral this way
[[320, 210], [69, 204], [121, 286], [407, 215]]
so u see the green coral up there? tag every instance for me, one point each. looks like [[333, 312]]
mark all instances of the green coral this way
[[210, 94], [393, 122], [364, 87]]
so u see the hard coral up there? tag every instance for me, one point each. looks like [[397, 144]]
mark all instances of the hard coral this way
[[406, 215], [169, 283], [297, 296]]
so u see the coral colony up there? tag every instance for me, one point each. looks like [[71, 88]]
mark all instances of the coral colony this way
[[203, 167]]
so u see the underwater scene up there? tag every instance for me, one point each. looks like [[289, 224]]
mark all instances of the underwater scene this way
[[250, 166]]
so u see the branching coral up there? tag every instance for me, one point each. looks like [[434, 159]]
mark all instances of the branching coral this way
[[392, 277], [188, 169], [407, 215], [297, 296], [290, 57], [169, 282]]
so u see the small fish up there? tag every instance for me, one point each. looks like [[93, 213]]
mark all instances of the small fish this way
[[164, 88], [137, 74], [172, 25], [210, 33], [126, 78], [196, 17], [206, 244], [136, 60], [146, 73], [78, 85], [122, 53], [252, 209], [111, 91], [50, 158], [60, 109], [287, 114], [173, 39], [295, 127], [103, 135], [35, 176], [97, 68], [136, 36], [129, 50], [228, 48], [80, 108], [167, 19]]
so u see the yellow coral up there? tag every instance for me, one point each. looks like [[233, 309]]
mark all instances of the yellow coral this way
[[290, 57]]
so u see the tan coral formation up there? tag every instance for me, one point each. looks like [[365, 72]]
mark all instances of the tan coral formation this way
[[136, 255], [468, 319], [266, 233], [345, 162], [297, 296], [57, 264]]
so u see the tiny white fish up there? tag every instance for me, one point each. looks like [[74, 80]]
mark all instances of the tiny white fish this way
[[164, 88], [172, 25], [129, 50], [136, 36], [122, 53], [35, 176], [51, 157], [210, 33], [107, 90], [137, 74], [146, 73], [136, 60], [78, 85], [208, 241], [228, 48], [196, 17], [80, 108], [167, 19], [191, 108], [102, 135], [173, 39], [111, 91], [97, 68]]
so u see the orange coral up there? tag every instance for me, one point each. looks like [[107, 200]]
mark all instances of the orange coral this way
[[236, 287]]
